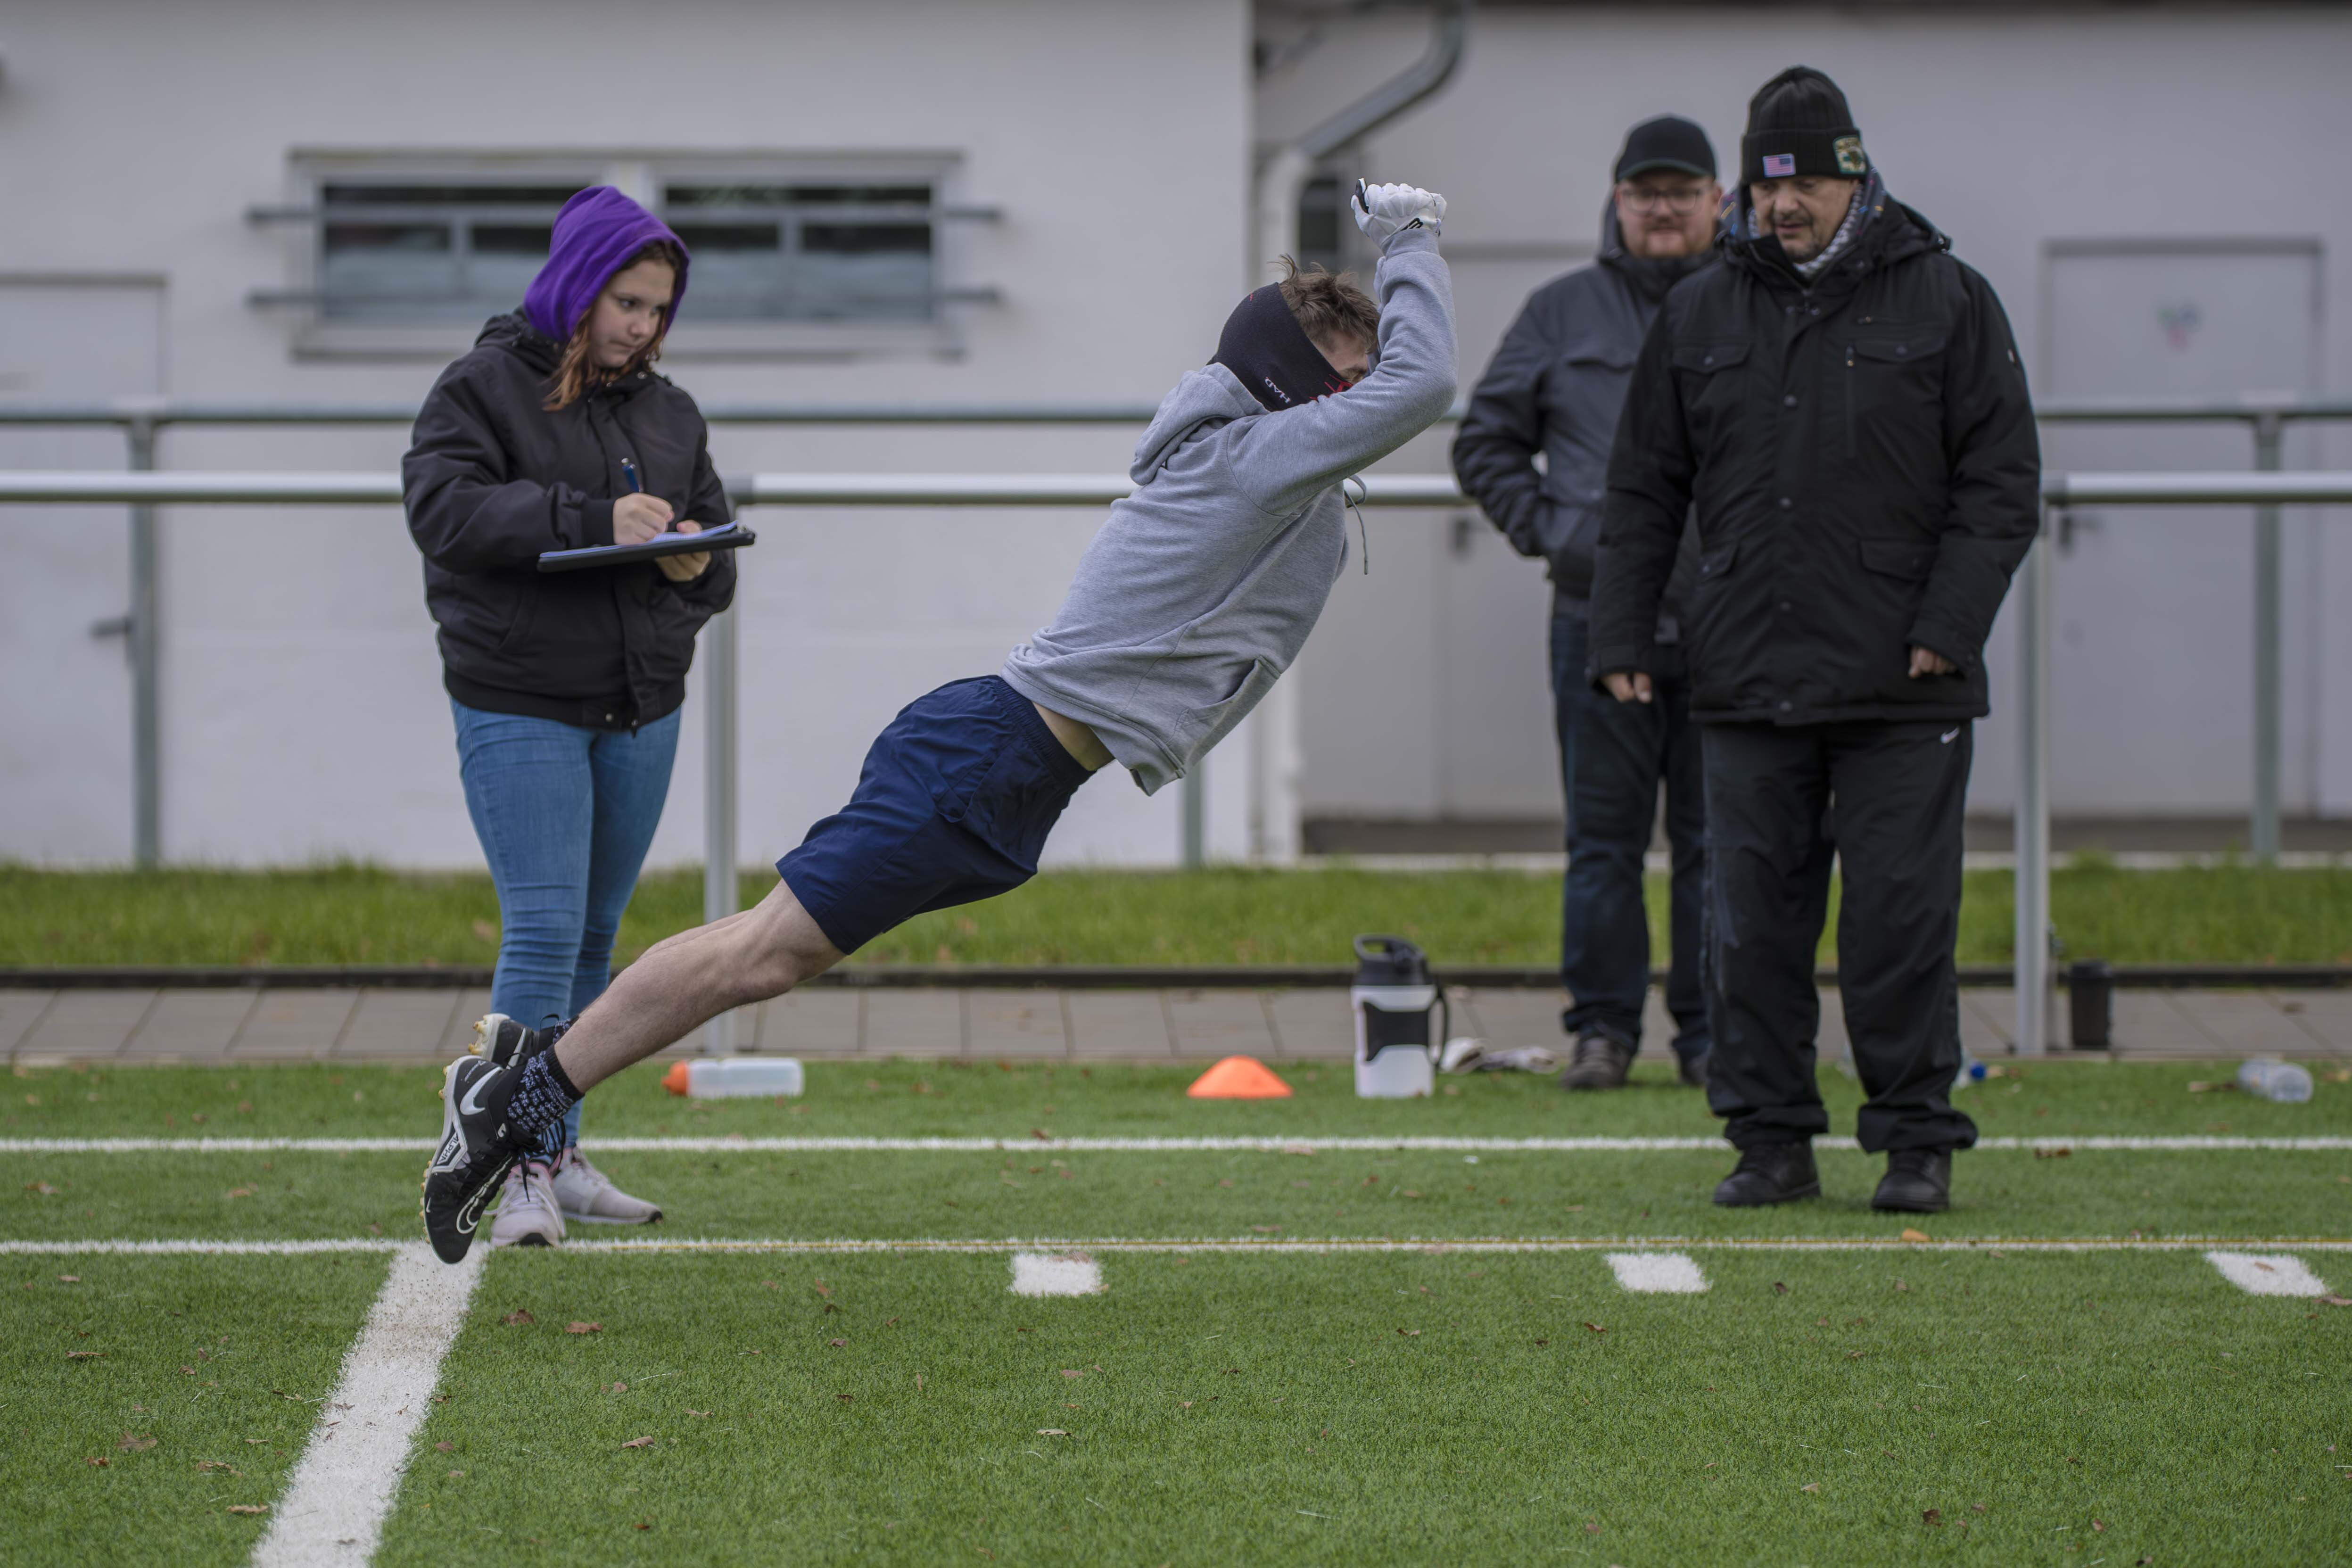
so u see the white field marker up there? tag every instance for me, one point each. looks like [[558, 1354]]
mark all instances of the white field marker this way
[[2268, 1274], [1657, 1273], [334, 1508], [1055, 1274], [1338, 1245]]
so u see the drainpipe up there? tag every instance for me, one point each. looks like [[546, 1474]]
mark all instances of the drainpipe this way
[[1274, 753]]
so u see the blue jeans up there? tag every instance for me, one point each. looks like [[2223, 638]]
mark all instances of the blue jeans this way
[[565, 816], [1612, 757]]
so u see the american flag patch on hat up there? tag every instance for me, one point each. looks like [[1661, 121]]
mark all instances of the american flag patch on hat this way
[[1780, 166]]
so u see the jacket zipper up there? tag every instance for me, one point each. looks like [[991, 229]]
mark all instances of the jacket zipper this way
[[1850, 450]]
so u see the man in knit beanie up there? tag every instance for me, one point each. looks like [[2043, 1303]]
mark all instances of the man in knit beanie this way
[[1842, 402]]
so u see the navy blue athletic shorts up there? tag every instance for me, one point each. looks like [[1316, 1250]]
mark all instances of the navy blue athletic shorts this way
[[954, 804]]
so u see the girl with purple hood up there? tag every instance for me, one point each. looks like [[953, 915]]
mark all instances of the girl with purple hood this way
[[555, 433]]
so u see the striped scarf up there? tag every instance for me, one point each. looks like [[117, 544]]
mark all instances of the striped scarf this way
[[1868, 201]]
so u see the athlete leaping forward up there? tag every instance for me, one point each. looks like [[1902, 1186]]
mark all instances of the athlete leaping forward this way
[[1191, 602]]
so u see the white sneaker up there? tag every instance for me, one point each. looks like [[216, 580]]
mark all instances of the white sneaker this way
[[527, 1215], [589, 1196]]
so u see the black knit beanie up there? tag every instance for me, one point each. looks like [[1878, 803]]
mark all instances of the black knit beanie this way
[[1798, 124]]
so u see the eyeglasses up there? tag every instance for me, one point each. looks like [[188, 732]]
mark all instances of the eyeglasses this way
[[1648, 198]]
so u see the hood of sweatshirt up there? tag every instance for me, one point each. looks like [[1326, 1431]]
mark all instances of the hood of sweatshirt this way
[[1209, 397]]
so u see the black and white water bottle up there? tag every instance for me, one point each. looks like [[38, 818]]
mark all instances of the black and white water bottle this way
[[1400, 1019]]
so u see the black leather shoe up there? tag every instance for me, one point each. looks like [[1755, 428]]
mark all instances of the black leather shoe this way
[[1917, 1180], [1770, 1174], [1693, 1071], [1600, 1062]]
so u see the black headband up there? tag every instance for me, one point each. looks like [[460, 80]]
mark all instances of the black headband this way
[[1263, 345]]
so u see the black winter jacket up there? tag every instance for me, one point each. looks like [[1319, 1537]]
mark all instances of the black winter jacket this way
[[1864, 459], [491, 480], [1555, 386]]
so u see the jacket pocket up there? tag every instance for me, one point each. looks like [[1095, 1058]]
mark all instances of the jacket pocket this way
[[1709, 390], [1203, 727], [1908, 559], [1893, 390], [1705, 633], [524, 611]]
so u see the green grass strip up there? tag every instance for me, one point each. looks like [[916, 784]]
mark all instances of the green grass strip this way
[[1404, 1409], [195, 1380], [360, 915]]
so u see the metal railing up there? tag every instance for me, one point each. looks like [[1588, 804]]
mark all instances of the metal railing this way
[[2035, 990], [142, 420]]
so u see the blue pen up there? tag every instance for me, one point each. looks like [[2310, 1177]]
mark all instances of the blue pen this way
[[629, 472]]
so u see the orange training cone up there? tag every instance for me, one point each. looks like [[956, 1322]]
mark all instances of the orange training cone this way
[[675, 1080], [1239, 1077]]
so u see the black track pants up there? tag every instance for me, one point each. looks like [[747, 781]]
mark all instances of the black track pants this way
[[1885, 800]]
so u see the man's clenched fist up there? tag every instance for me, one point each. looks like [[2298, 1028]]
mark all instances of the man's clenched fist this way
[[1382, 210]]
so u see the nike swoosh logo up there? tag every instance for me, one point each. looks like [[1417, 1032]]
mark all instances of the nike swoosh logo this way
[[1950, 735], [469, 1103]]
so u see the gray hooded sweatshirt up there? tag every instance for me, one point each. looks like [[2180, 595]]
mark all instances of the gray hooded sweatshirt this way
[[1201, 587]]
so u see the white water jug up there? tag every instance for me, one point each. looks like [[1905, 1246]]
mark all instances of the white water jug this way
[[1400, 1018]]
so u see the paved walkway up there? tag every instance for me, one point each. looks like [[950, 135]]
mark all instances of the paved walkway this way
[[396, 1026]]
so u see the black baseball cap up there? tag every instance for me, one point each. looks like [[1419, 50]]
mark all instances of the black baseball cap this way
[[1669, 141]]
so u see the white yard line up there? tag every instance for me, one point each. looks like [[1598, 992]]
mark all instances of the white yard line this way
[[2270, 1274], [1055, 1274], [1049, 1244], [334, 1508], [1657, 1273], [1308, 1145]]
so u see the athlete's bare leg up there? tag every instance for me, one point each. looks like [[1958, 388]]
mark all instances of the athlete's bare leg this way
[[690, 978]]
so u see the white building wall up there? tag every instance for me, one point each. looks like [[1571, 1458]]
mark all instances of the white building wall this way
[[304, 716], [2009, 131]]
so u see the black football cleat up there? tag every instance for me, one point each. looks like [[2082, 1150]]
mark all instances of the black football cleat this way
[[477, 1147], [1917, 1180], [1770, 1174], [506, 1043], [1600, 1061]]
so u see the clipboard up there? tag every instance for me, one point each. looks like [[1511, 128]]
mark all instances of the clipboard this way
[[724, 536]]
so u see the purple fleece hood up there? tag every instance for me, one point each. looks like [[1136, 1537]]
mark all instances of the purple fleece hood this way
[[596, 234]]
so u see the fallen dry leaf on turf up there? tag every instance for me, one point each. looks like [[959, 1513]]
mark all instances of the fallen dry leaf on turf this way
[[69, 1279], [1051, 1432], [702, 1414], [1902, 1286], [131, 1444], [1073, 1371], [441, 1447], [1596, 1328], [95, 1462], [41, 1187], [89, 1355], [1811, 1487], [1932, 1516], [584, 1327], [643, 1524], [836, 1344], [1910, 1234], [218, 1465], [846, 1398], [248, 1508], [2332, 1301], [517, 1319], [2099, 1525], [2054, 1153], [1592, 1527], [238, 1192], [1779, 1288], [1856, 1355], [644, 1442], [1415, 1333], [620, 1388]]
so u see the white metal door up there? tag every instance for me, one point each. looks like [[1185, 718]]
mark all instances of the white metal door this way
[[65, 706]]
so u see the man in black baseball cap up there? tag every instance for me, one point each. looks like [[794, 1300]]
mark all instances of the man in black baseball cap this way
[[1555, 387], [1843, 401]]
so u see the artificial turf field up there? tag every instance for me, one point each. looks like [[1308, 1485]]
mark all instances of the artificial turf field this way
[[1489, 1392]]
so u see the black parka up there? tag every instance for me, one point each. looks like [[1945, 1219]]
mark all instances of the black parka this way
[[1863, 455], [492, 479], [1555, 386]]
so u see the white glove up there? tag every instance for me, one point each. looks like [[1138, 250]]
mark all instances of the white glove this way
[[1382, 210]]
